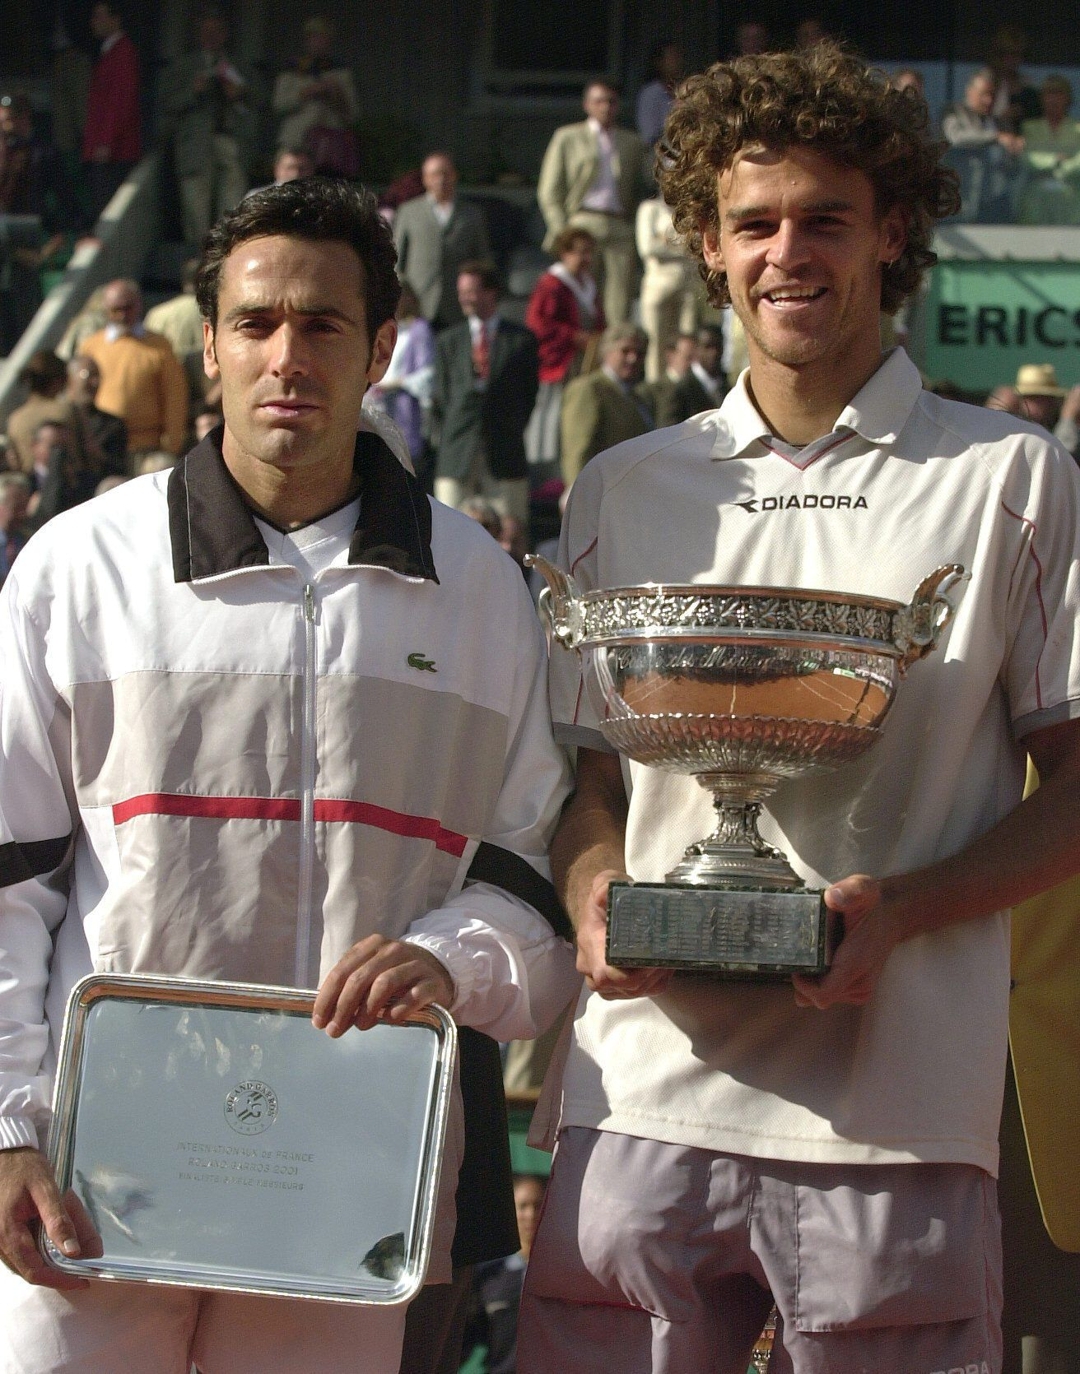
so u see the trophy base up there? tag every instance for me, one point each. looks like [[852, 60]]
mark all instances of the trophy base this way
[[737, 933]]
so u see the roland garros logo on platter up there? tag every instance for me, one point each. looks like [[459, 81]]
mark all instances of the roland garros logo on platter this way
[[251, 1108]]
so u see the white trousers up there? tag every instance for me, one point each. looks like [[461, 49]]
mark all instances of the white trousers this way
[[129, 1328]]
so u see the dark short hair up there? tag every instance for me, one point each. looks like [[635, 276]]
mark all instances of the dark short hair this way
[[569, 237], [43, 370], [824, 99], [316, 208], [486, 271]]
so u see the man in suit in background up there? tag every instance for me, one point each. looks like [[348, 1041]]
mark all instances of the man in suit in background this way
[[703, 386], [485, 387], [434, 234], [607, 406], [593, 175]]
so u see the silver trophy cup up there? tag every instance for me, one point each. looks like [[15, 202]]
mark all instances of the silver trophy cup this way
[[740, 687]]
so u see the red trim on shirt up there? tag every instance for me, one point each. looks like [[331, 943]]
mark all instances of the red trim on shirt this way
[[586, 553], [288, 809], [397, 822], [216, 808], [1038, 592], [793, 459]]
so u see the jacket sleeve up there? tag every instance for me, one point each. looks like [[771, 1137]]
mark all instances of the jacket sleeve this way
[[512, 966], [38, 821], [579, 427], [552, 188]]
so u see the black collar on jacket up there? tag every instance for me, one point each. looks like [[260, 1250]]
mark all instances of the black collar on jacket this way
[[212, 530]]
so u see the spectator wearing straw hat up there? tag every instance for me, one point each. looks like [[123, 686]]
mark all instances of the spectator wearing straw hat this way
[[1049, 404]]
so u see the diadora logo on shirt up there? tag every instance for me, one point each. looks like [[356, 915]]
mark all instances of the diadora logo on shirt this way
[[758, 505]]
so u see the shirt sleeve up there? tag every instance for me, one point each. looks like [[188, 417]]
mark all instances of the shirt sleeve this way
[[1041, 674], [37, 828], [575, 720], [513, 971]]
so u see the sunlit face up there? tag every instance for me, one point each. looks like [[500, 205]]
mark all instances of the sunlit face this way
[[292, 352], [626, 359], [123, 304], [602, 104], [528, 1202], [475, 298], [578, 258], [84, 379], [802, 245]]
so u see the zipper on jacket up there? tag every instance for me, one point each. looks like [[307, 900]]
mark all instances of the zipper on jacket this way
[[307, 797]]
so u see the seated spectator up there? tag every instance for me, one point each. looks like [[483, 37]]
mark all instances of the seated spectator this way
[[1046, 403], [316, 101], [984, 154], [1015, 99], [704, 385], [15, 492], [484, 513], [291, 164], [61, 478], [497, 1284], [108, 431], [909, 79], [567, 317], [31, 184], [678, 360], [405, 391], [142, 380], [655, 97], [206, 421], [1052, 155], [178, 319], [46, 377], [606, 407]]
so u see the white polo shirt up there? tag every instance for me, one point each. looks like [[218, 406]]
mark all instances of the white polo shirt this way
[[905, 483]]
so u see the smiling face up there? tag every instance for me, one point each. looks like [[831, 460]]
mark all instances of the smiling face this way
[[802, 246], [292, 352]]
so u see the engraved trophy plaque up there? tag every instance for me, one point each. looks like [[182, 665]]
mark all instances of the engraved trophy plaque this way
[[218, 1140], [742, 688]]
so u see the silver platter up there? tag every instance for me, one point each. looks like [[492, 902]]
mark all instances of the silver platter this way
[[219, 1141]]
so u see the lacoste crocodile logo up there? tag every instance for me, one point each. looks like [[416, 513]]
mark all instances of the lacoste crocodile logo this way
[[422, 664]]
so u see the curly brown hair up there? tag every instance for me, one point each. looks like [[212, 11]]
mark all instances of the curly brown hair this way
[[823, 98]]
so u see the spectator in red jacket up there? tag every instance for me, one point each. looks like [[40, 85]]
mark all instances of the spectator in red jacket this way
[[567, 318], [112, 139]]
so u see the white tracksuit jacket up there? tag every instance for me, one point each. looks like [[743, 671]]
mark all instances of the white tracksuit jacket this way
[[210, 769]]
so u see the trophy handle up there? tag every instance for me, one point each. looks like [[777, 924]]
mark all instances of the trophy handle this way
[[560, 601], [917, 628]]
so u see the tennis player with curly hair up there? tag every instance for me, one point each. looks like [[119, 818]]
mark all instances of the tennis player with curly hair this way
[[829, 1146]]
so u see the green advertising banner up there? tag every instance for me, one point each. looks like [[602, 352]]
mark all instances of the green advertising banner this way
[[984, 319]]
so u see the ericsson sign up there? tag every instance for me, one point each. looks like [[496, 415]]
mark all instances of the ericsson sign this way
[[986, 316]]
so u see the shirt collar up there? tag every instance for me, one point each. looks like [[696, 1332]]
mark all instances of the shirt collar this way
[[212, 530], [878, 412], [111, 41], [117, 331]]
